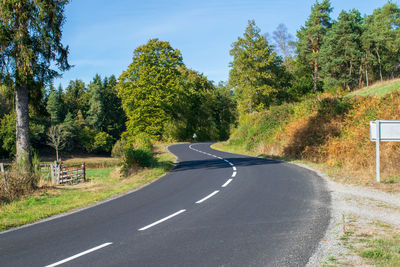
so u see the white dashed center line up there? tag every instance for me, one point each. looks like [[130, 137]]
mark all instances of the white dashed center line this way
[[79, 254], [207, 197], [227, 182], [162, 220]]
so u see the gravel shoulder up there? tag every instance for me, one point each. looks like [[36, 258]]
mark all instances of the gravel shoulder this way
[[360, 216]]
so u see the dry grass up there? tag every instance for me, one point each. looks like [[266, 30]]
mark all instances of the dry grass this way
[[330, 131], [102, 183]]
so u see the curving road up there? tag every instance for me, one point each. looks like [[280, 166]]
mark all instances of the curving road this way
[[213, 209]]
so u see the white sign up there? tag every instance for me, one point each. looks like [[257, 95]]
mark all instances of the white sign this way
[[389, 131], [383, 131]]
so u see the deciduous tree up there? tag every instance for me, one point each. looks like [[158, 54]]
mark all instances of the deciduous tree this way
[[149, 86], [254, 70]]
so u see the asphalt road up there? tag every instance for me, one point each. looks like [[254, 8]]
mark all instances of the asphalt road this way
[[213, 209]]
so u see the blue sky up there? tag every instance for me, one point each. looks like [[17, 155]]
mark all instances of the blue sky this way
[[102, 34]]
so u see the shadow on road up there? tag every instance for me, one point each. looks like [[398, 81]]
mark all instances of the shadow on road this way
[[220, 164]]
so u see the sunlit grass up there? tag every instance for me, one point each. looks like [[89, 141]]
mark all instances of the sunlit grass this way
[[378, 89], [102, 183]]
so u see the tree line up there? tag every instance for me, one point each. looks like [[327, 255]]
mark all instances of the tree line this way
[[339, 55], [161, 97], [157, 95]]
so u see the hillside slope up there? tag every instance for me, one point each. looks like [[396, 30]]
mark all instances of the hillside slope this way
[[330, 131]]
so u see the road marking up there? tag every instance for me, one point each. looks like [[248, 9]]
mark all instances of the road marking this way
[[227, 182], [219, 157], [207, 197], [233, 174], [234, 168], [162, 220], [80, 254], [230, 163]]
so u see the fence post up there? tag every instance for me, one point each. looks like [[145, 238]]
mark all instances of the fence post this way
[[2, 167], [84, 171]]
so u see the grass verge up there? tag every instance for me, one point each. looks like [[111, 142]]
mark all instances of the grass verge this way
[[103, 183], [376, 242]]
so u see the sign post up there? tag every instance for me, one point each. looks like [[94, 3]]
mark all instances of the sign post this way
[[383, 131]]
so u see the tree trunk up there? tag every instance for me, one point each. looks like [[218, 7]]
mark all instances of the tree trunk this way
[[315, 76], [380, 63], [366, 70], [22, 127]]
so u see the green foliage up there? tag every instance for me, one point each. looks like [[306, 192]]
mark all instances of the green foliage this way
[[103, 142], [118, 149], [7, 135], [30, 45], [341, 52], [149, 86], [74, 97], [311, 37], [55, 106], [256, 71], [138, 153], [86, 138]]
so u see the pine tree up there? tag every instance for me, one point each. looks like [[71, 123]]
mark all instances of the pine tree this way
[[382, 38], [311, 38], [55, 106], [30, 44], [341, 53]]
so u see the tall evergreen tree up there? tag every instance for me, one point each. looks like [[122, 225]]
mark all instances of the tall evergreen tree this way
[[55, 105], [311, 37], [96, 112], [30, 42], [382, 38], [342, 52], [74, 97]]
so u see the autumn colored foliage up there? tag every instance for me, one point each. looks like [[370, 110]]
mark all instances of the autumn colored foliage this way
[[329, 130]]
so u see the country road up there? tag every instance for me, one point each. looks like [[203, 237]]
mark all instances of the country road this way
[[213, 209]]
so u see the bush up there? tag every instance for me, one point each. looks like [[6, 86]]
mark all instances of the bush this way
[[138, 153], [118, 149], [103, 142], [141, 141], [19, 181]]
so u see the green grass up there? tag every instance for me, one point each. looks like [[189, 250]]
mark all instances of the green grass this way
[[102, 184], [382, 252], [379, 89]]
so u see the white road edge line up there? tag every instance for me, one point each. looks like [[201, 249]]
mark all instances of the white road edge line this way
[[80, 254], [207, 197], [230, 163], [227, 182], [162, 220], [234, 174], [234, 168]]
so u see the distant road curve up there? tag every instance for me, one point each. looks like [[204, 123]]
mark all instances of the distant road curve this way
[[213, 209]]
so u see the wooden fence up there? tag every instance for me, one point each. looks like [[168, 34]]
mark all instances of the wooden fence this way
[[61, 174], [57, 173], [3, 177]]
